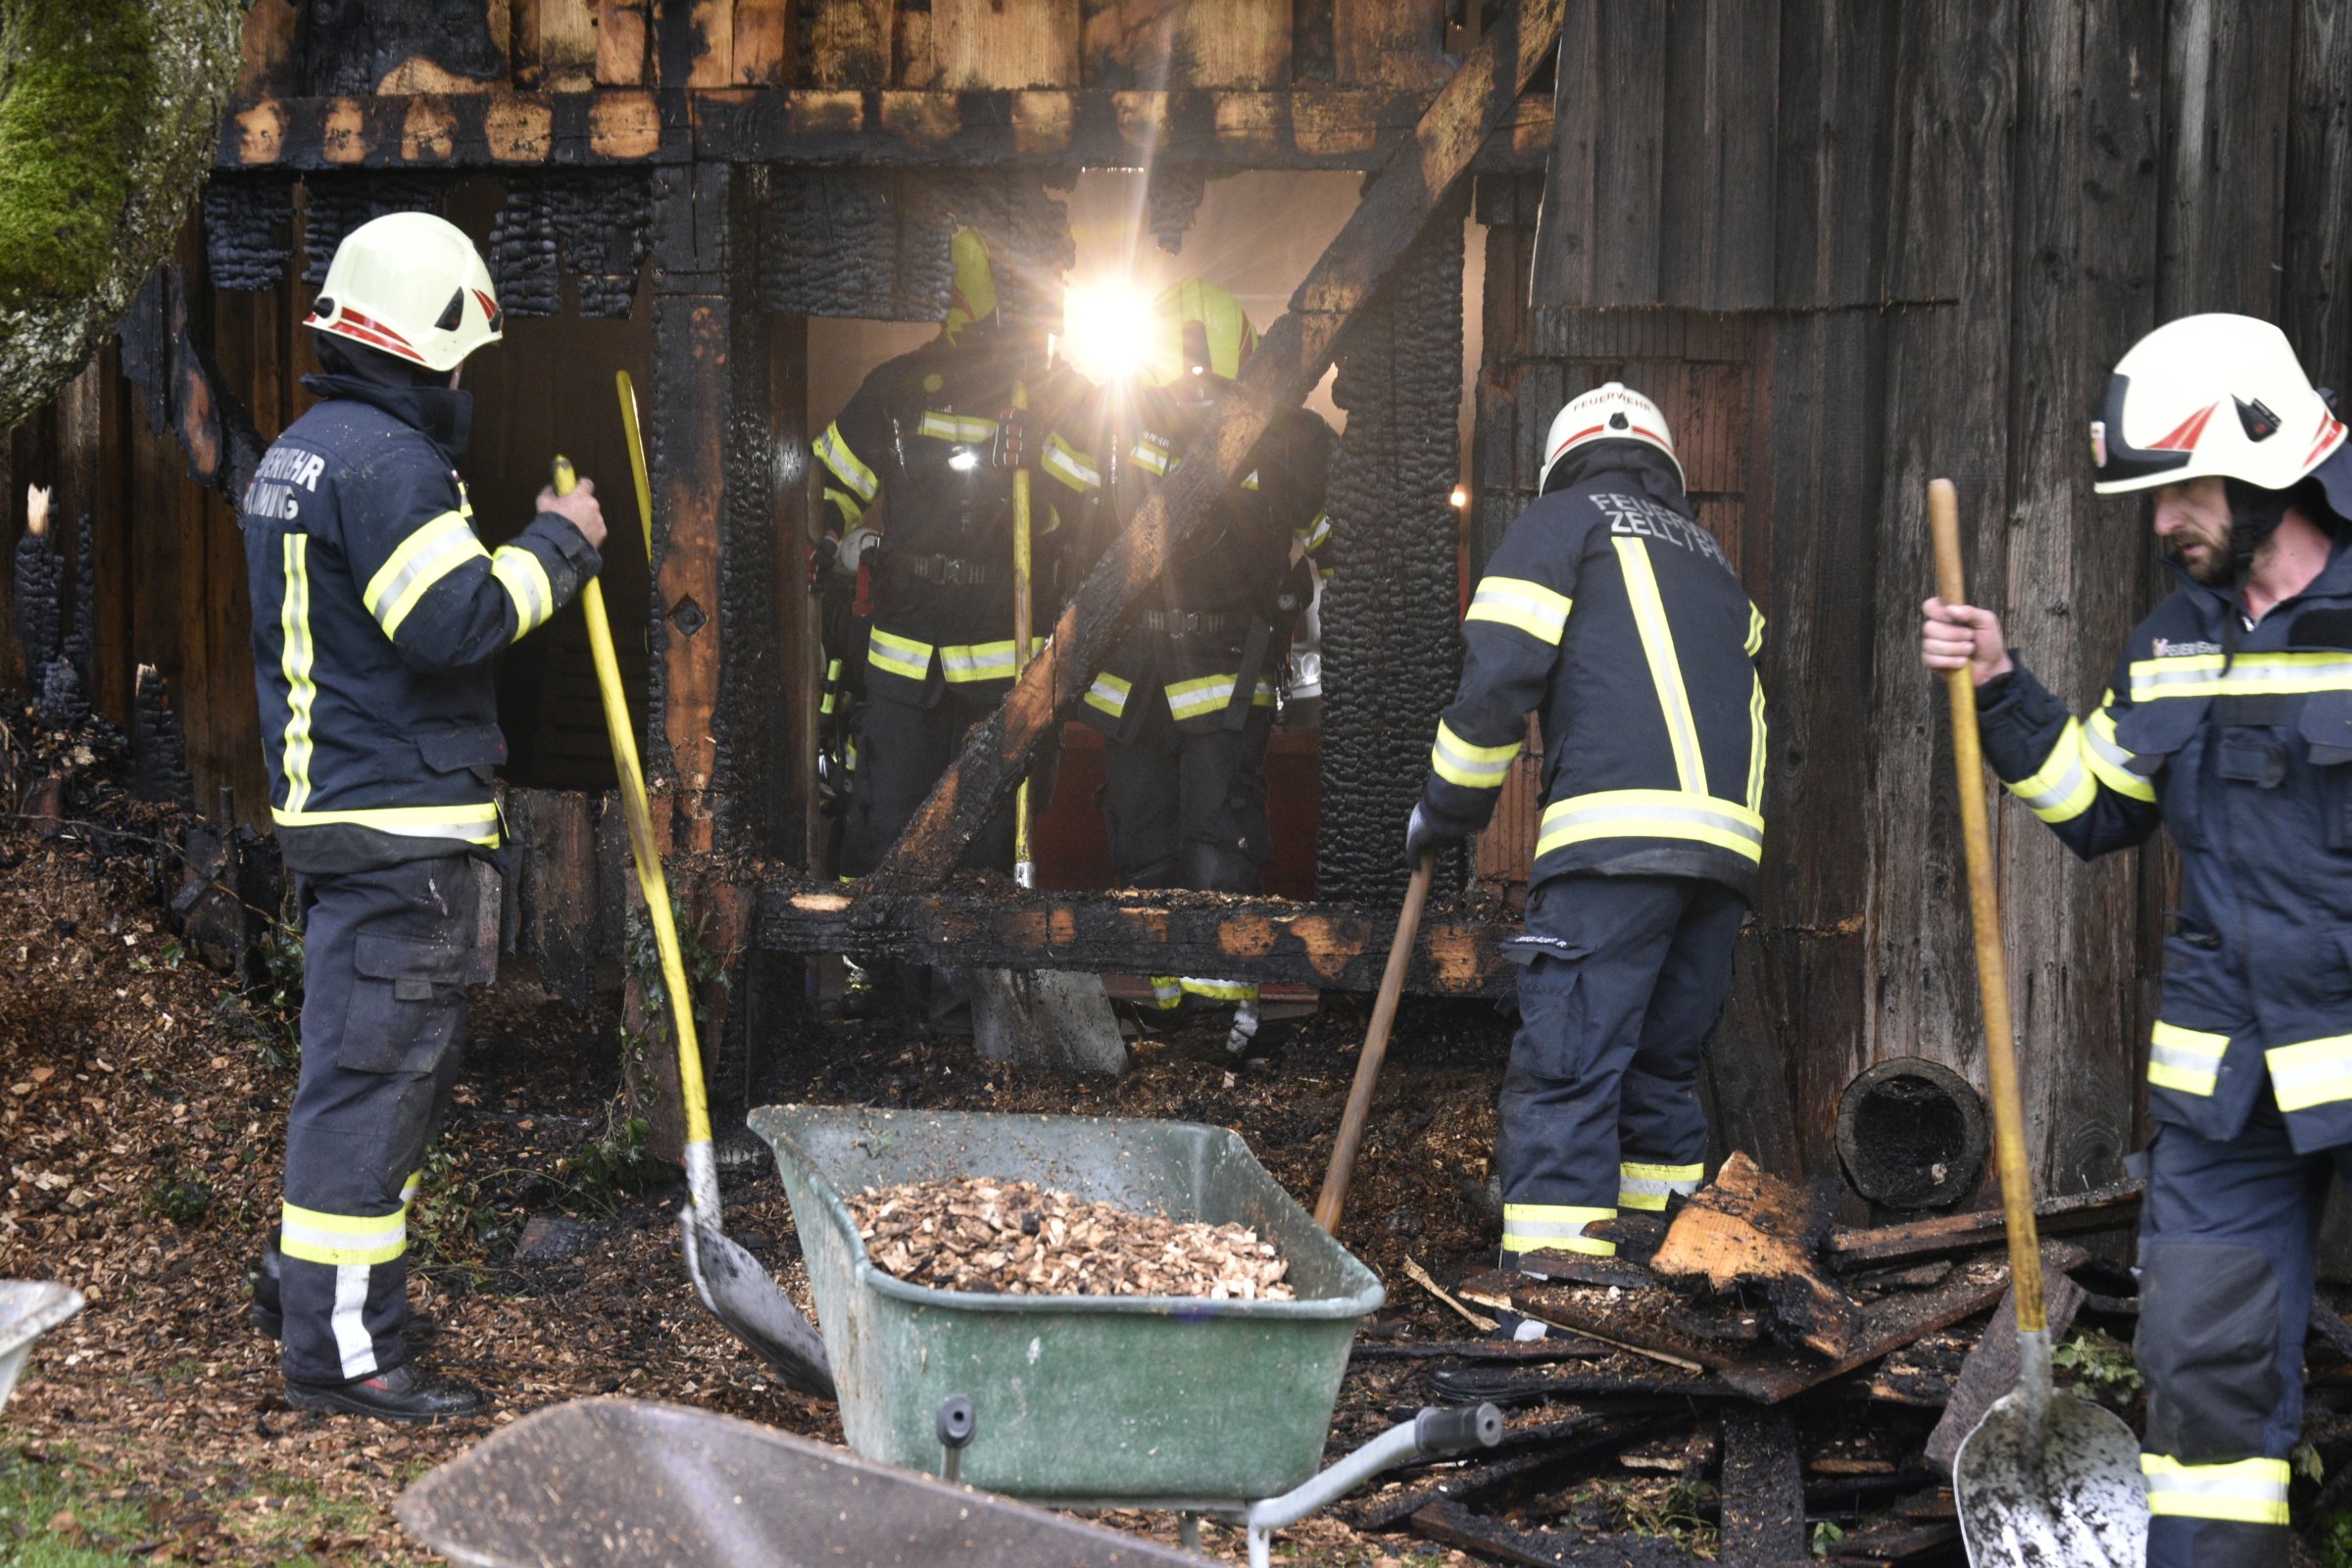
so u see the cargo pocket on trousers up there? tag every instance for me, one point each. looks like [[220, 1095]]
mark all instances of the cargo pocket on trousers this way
[[2208, 1344], [404, 1003]]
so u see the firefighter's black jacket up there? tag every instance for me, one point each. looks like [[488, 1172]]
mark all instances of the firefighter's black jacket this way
[[375, 612], [1223, 589], [2239, 738], [924, 435], [1614, 617]]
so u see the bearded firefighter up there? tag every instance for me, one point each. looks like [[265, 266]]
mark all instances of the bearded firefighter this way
[[2227, 718]]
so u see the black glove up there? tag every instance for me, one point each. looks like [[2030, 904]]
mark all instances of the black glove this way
[[1424, 835], [822, 556]]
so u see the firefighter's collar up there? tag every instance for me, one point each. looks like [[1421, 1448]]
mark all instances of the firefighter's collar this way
[[443, 414]]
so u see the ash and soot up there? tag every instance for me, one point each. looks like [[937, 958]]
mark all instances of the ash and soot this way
[[1020, 1239]]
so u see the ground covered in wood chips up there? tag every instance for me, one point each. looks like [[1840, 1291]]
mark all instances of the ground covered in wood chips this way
[[1019, 1239], [141, 1120]]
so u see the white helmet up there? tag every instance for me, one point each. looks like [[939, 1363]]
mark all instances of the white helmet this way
[[2212, 395], [412, 286], [1611, 412]]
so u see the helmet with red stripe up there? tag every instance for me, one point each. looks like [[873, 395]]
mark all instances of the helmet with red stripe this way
[[2210, 396], [411, 285], [1611, 412]]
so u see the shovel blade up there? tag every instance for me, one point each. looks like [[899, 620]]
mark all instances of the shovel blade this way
[[2062, 1492], [1046, 1019], [755, 1309]]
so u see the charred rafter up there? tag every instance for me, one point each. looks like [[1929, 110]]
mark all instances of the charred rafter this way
[[1291, 358], [986, 924]]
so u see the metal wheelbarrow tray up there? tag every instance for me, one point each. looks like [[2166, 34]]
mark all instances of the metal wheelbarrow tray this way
[[1151, 1401]]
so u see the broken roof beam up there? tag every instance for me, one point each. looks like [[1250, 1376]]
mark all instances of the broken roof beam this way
[[975, 924], [1290, 359]]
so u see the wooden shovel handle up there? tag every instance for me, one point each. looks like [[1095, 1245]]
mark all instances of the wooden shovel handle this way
[[1992, 972], [1376, 1048]]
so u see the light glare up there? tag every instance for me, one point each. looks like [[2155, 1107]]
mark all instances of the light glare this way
[[1107, 330]]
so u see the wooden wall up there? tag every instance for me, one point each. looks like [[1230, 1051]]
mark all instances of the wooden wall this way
[[1850, 247]]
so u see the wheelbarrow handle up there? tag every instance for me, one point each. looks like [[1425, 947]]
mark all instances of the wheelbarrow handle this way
[[1439, 1431]]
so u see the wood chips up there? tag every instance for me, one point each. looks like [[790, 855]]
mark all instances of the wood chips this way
[[1020, 1239]]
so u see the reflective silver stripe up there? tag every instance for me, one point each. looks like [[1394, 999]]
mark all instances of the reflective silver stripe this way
[[2062, 789], [470, 824], [833, 450], [2250, 1491], [971, 662], [2313, 1072], [1067, 464], [525, 580], [355, 1348], [1473, 767], [1650, 813], [965, 429], [2250, 674]]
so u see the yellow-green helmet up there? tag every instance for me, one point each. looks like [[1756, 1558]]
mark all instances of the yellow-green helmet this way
[[1198, 330], [973, 294]]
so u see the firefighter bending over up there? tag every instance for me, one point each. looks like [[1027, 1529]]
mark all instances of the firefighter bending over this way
[[1613, 615]]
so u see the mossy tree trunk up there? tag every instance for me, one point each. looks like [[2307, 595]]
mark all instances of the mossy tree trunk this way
[[110, 111]]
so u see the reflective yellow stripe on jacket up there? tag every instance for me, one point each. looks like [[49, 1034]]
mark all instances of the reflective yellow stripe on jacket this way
[[2246, 675], [1665, 669], [524, 579], [1474, 767], [894, 654], [833, 451], [295, 661], [1522, 606], [1108, 694], [2312, 1072], [2246, 1491], [469, 824], [1197, 699], [2062, 788], [423, 560], [2185, 1060], [1651, 815]]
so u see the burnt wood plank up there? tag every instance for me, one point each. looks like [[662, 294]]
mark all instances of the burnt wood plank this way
[[1290, 359], [2111, 1207], [1770, 1374], [1455, 1523], [1830, 197], [850, 44], [1194, 43], [1552, 1441], [975, 922]]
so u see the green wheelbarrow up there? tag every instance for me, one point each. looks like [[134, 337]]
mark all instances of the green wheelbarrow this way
[[1092, 1401]]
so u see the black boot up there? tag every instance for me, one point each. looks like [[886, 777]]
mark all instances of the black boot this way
[[264, 1313], [400, 1394]]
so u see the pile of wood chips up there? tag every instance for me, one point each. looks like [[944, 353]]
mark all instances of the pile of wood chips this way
[[1020, 1239]]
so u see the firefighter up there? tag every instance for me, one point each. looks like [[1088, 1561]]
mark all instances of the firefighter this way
[[1653, 723], [931, 437], [376, 612], [2228, 717], [1187, 700]]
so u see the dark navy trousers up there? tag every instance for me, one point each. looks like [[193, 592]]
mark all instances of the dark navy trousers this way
[[2229, 1242], [385, 957], [1623, 980]]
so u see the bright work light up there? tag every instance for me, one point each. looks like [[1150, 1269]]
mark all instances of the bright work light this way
[[1107, 330]]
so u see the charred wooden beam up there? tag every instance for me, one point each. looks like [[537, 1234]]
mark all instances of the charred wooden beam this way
[[1763, 1489], [1454, 1524], [1290, 359], [1207, 129], [2101, 1208], [182, 389], [980, 923]]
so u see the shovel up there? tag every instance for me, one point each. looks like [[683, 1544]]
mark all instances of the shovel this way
[[2045, 1480], [1048, 1017], [728, 1279], [1342, 1170]]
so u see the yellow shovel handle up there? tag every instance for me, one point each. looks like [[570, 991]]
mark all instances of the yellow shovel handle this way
[[1992, 971], [1023, 615], [640, 843]]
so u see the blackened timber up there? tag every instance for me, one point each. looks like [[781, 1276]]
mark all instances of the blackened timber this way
[[1453, 1524], [982, 925], [1213, 129], [2102, 1209], [1763, 1489], [1290, 360]]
